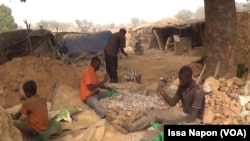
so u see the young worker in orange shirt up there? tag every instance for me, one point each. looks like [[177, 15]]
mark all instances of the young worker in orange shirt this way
[[35, 108], [90, 84]]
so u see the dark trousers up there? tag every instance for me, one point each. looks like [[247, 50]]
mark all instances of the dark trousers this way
[[24, 126], [111, 67]]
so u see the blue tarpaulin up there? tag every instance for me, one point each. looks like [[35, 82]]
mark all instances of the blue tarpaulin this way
[[86, 42]]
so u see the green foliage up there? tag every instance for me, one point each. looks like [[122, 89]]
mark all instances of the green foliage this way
[[241, 69], [184, 15], [6, 19]]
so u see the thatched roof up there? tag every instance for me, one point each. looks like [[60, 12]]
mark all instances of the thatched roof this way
[[160, 23], [185, 24], [17, 43], [9, 38], [170, 22]]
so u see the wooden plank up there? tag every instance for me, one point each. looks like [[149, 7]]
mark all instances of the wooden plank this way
[[161, 46]]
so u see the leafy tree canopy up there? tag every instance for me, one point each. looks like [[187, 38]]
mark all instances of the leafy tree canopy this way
[[6, 19]]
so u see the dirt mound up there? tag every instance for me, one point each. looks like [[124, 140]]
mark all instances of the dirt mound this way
[[45, 71], [7, 130]]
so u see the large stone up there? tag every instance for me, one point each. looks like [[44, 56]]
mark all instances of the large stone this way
[[208, 116], [211, 84], [229, 83], [240, 81], [247, 119], [248, 106]]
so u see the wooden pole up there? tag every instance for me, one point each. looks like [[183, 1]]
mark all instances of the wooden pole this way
[[28, 37], [198, 81], [202, 37], [217, 70]]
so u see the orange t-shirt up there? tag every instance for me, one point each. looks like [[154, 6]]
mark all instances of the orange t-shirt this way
[[89, 76], [36, 110]]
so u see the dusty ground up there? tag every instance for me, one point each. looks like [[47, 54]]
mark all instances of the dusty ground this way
[[48, 73], [61, 81]]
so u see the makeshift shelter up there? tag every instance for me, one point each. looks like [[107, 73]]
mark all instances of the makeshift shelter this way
[[19, 43], [156, 34], [85, 42]]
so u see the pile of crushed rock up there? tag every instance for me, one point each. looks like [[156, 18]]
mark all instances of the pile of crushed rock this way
[[227, 102]]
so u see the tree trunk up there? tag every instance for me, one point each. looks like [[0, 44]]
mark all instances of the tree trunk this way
[[220, 37]]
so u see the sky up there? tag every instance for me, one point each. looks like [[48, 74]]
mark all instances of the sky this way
[[99, 11]]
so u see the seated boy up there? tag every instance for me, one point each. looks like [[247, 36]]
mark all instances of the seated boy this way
[[35, 108]]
